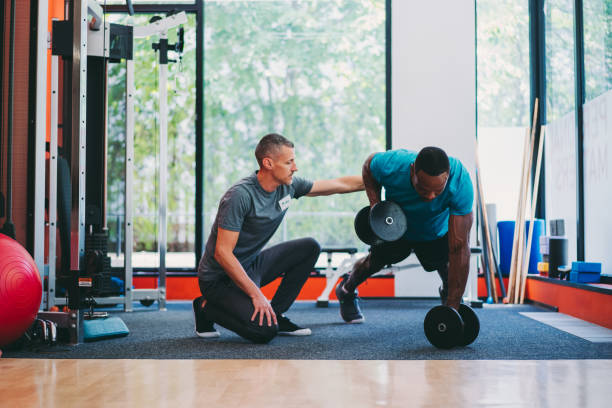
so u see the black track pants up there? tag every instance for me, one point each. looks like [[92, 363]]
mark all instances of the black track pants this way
[[228, 306]]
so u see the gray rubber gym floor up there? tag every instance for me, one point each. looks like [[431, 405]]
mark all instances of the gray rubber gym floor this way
[[393, 331]]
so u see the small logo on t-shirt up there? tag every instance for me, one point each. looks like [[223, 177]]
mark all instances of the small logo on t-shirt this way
[[284, 202]]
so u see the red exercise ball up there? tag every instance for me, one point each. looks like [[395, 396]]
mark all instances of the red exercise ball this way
[[20, 290]]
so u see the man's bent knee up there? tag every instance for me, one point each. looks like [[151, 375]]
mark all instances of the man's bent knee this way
[[312, 245], [260, 334]]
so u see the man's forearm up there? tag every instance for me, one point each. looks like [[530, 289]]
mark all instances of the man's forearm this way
[[340, 185], [458, 256], [236, 272], [372, 188], [350, 184], [458, 271]]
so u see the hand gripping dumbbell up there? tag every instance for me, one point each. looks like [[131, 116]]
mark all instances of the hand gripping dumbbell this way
[[446, 328], [385, 222]]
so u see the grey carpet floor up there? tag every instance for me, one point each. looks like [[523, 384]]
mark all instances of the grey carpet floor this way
[[393, 331]]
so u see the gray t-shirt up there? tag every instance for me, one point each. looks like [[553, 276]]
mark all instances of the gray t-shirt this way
[[256, 213]]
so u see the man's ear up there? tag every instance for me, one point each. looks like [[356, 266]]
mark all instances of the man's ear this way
[[267, 163], [413, 179]]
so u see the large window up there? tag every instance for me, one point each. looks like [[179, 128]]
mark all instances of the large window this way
[[500, 34], [560, 140], [313, 71], [502, 49], [180, 151], [597, 17]]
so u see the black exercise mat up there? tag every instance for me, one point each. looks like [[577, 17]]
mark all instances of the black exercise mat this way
[[393, 330]]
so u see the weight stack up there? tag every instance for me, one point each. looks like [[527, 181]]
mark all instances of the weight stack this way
[[96, 245]]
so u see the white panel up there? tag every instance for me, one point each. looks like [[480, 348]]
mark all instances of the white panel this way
[[411, 280], [560, 154], [501, 175], [433, 92], [598, 180]]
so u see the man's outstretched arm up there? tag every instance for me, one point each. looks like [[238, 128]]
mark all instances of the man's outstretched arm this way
[[458, 257], [338, 185]]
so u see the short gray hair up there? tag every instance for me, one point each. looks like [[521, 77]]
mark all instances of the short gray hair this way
[[269, 144]]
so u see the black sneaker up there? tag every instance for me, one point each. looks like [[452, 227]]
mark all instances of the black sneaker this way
[[349, 304], [287, 328], [204, 328]]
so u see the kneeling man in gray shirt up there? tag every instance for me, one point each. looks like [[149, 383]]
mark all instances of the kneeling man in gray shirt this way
[[234, 267]]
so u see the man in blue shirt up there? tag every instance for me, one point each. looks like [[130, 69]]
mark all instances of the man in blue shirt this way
[[436, 194]]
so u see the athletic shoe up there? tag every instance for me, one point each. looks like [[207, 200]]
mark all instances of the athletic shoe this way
[[204, 328], [287, 328], [349, 304]]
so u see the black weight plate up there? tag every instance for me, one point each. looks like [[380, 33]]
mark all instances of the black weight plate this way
[[388, 221], [471, 325], [146, 302], [443, 327], [362, 226]]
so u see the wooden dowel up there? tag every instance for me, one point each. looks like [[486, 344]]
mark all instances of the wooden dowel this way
[[527, 182], [518, 247], [515, 240], [534, 201], [521, 245], [519, 257]]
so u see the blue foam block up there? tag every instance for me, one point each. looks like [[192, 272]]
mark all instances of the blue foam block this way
[[594, 267], [584, 277], [100, 329]]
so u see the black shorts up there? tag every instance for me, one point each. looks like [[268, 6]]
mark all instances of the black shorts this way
[[433, 255]]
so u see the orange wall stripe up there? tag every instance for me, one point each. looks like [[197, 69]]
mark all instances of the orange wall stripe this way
[[187, 288], [482, 287]]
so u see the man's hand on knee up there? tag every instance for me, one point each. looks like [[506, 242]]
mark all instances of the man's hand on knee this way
[[263, 309]]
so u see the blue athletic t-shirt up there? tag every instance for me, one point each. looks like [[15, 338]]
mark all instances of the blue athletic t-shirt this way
[[426, 220]]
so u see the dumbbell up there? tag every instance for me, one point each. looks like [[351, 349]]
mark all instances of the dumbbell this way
[[446, 328], [385, 222]]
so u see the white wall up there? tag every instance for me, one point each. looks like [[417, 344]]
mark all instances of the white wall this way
[[560, 154], [433, 93], [598, 181], [501, 174]]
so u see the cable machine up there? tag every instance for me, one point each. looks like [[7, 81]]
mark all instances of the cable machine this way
[[82, 46], [160, 27]]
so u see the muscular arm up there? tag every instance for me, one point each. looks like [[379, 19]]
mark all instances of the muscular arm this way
[[339, 185], [224, 254], [372, 187], [459, 257]]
